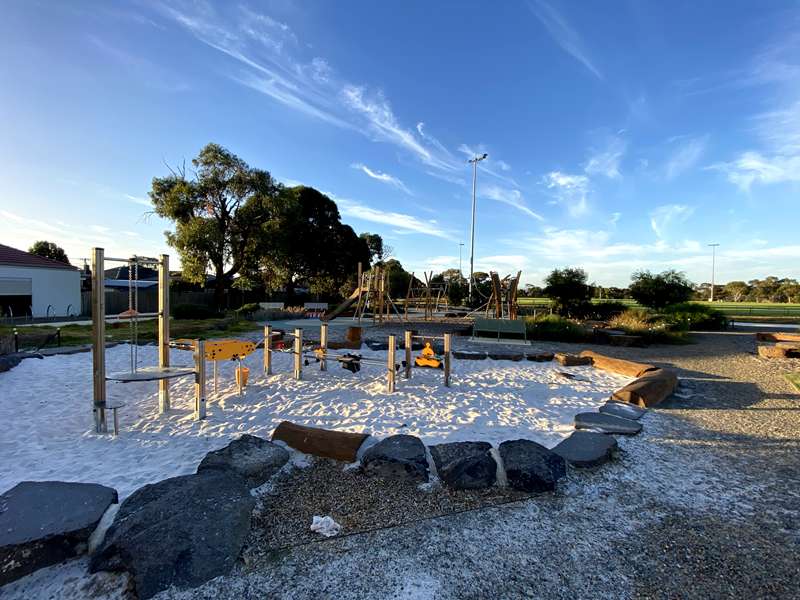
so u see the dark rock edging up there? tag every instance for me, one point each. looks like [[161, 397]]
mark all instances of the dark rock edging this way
[[252, 458], [465, 465], [586, 449], [397, 456], [606, 423], [43, 523], [531, 467]]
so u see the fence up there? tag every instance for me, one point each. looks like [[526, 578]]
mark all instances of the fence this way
[[117, 300]]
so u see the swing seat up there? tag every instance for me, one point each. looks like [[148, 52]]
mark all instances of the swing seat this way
[[150, 374], [428, 358]]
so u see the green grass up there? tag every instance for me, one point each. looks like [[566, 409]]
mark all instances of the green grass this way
[[760, 310], [75, 335]]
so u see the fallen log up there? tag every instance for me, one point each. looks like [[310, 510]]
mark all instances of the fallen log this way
[[770, 336], [650, 389], [339, 445], [628, 368]]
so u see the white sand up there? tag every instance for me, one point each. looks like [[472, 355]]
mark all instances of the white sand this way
[[47, 428]]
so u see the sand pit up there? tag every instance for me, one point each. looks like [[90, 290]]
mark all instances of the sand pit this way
[[45, 406]]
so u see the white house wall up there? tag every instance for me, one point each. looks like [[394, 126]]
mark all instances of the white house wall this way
[[56, 287]]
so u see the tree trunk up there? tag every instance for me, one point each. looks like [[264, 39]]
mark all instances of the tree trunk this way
[[219, 290]]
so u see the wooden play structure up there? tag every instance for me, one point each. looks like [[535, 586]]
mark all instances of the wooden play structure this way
[[163, 372], [426, 297], [503, 302], [371, 298]]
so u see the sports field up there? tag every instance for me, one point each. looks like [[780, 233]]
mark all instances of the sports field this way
[[730, 309]]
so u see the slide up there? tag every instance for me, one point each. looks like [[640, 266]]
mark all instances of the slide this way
[[343, 306]]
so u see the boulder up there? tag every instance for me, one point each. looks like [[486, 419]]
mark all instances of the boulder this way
[[531, 467], [8, 362], [397, 457], [252, 458], [46, 522], [180, 532], [465, 465], [606, 423], [585, 449], [618, 365], [515, 356], [650, 389], [622, 409], [468, 355], [571, 360], [540, 356]]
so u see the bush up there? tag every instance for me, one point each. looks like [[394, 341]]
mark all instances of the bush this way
[[605, 311], [248, 310], [568, 290], [653, 329], [688, 316], [661, 290], [193, 311], [555, 329]]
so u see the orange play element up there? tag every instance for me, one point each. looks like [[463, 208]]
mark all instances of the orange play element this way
[[223, 349], [428, 358], [242, 375], [128, 314]]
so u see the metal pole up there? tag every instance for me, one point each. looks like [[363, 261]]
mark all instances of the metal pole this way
[[447, 359], [472, 229], [460, 248], [323, 344], [199, 380], [298, 353], [268, 349], [390, 383], [99, 340], [713, 267], [163, 331], [407, 344]]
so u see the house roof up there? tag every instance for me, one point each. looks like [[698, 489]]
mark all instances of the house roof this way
[[17, 258]]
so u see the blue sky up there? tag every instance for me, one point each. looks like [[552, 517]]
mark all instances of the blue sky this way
[[621, 135]]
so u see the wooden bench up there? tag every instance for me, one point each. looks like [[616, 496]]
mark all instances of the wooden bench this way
[[500, 328]]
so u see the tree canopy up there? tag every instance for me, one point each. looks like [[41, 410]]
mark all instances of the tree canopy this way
[[660, 290], [569, 290], [49, 250], [224, 216]]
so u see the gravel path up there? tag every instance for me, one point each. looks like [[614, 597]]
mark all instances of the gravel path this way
[[704, 504]]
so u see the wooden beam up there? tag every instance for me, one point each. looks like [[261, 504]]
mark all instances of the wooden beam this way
[[163, 329], [99, 340], [338, 445]]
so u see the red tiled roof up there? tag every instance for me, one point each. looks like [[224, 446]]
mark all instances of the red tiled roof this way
[[17, 258]]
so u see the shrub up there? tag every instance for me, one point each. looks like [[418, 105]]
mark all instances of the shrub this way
[[661, 290], [193, 311], [555, 329], [247, 310], [688, 316], [653, 329], [604, 311], [568, 290]]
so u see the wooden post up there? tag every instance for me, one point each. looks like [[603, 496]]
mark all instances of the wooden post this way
[[323, 344], [213, 362], [268, 349], [240, 376], [163, 331], [408, 343], [447, 359], [199, 380], [99, 340], [298, 353], [390, 376]]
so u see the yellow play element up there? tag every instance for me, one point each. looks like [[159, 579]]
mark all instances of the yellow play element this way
[[223, 349], [428, 358], [242, 375]]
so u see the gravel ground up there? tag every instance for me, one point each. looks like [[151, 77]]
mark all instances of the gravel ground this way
[[705, 503]]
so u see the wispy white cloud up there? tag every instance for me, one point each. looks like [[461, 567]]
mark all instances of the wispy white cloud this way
[[563, 34], [754, 167], [401, 223], [570, 190], [382, 177], [139, 200], [485, 166], [511, 197], [664, 218], [685, 156], [606, 160], [504, 166]]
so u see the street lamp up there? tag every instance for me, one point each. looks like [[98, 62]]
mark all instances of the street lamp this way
[[474, 162], [713, 267], [460, 247]]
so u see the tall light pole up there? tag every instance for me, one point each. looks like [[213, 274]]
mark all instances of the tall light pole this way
[[713, 267], [460, 247], [474, 162]]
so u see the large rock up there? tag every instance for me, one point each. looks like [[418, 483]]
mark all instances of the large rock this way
[[469, 355], [622, 409], [571, 360], [465, 465], [179, 532], [45, 522], [540, 356], [8, 362], [606, 423], [398, 456], [586, 448], [531, 467], [507, 355], [253, 458]]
